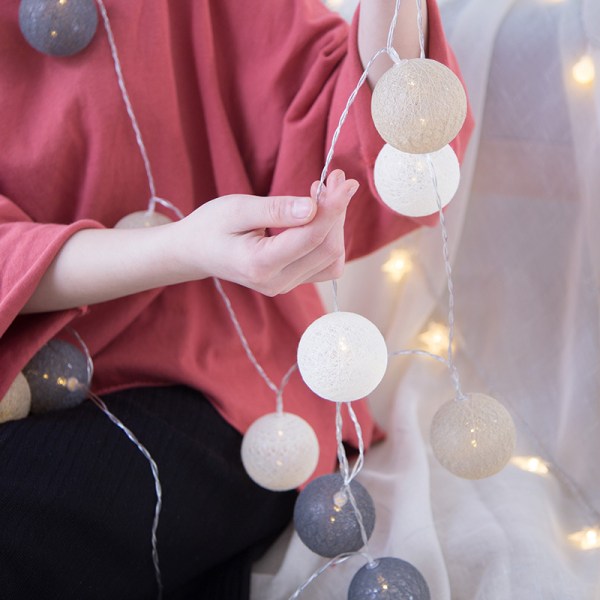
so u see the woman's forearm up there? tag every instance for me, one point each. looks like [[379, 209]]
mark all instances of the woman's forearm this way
[[375, 19], [96, 265], [225, 238]]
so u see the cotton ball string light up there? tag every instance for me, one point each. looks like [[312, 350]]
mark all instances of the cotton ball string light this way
[[280, 451], [17, 400], [57, 376], [388, 579], [142, 218], [418, 106], [342, 356], [473, 437], [404, 181], [58, 27], [325, 519]]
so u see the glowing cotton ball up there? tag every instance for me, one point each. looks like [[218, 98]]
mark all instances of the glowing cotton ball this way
[[324, 517], [17, 400], [418, 106], [58, 27], [57, 376], [342, 357], [280, 451], [474, 437], [388, 579], [142, 218], [405, 184]]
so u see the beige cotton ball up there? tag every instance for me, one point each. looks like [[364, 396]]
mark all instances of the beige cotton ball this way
[[17, 400], [141, 219], [473, 437], [419, 105]]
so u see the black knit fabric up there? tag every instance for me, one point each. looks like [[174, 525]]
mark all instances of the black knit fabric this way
[[77, 502]]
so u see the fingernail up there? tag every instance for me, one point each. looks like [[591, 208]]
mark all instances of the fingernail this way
[[301, 208], [352, 189]]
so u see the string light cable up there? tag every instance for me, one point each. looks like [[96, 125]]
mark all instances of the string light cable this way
[[132, 437]]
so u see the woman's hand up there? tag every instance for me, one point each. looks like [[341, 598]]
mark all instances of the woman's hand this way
[[226, 238]]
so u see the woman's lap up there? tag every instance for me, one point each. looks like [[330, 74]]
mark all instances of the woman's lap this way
[[77, 502]]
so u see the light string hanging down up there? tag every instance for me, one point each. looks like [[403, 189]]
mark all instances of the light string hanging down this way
[[132, 437], [59, 376]]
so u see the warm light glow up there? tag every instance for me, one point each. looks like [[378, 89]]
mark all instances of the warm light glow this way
[[586, 539], [334, 3], [583, 70], [398, 265], [531, 464], [435, 338]]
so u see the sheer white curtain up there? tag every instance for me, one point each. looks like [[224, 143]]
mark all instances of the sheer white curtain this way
[[525, 247]]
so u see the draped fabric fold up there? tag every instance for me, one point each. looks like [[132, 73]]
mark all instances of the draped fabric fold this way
[[525, 256]]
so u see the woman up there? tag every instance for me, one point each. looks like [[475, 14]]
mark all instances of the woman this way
[[236, 103]]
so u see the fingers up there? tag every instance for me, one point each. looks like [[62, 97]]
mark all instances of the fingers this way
[[233, 243], [293, 244], [247, 213], [315, 252]]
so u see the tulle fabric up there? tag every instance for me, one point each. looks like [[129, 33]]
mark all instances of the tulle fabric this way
[[525, 254]]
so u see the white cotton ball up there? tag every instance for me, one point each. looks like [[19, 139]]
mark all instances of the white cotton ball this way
[[280, 451], [405, 183], [419, 105], [17, 400], [342, 357], [474, 437], [141, 219]]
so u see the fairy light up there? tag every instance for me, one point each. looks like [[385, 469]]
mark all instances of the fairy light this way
[[586, 539], [531, 464], [435, 338], [584, 71], [398, 265]]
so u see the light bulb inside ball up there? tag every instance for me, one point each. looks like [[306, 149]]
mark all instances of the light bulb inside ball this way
[[280, 451], [473, 437], [405, 183], [342, 357], [418, 106]]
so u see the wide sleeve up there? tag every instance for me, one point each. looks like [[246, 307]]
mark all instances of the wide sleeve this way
[[318, 69], [26, 251]]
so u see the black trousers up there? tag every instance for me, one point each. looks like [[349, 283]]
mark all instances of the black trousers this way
[[77, 503]]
